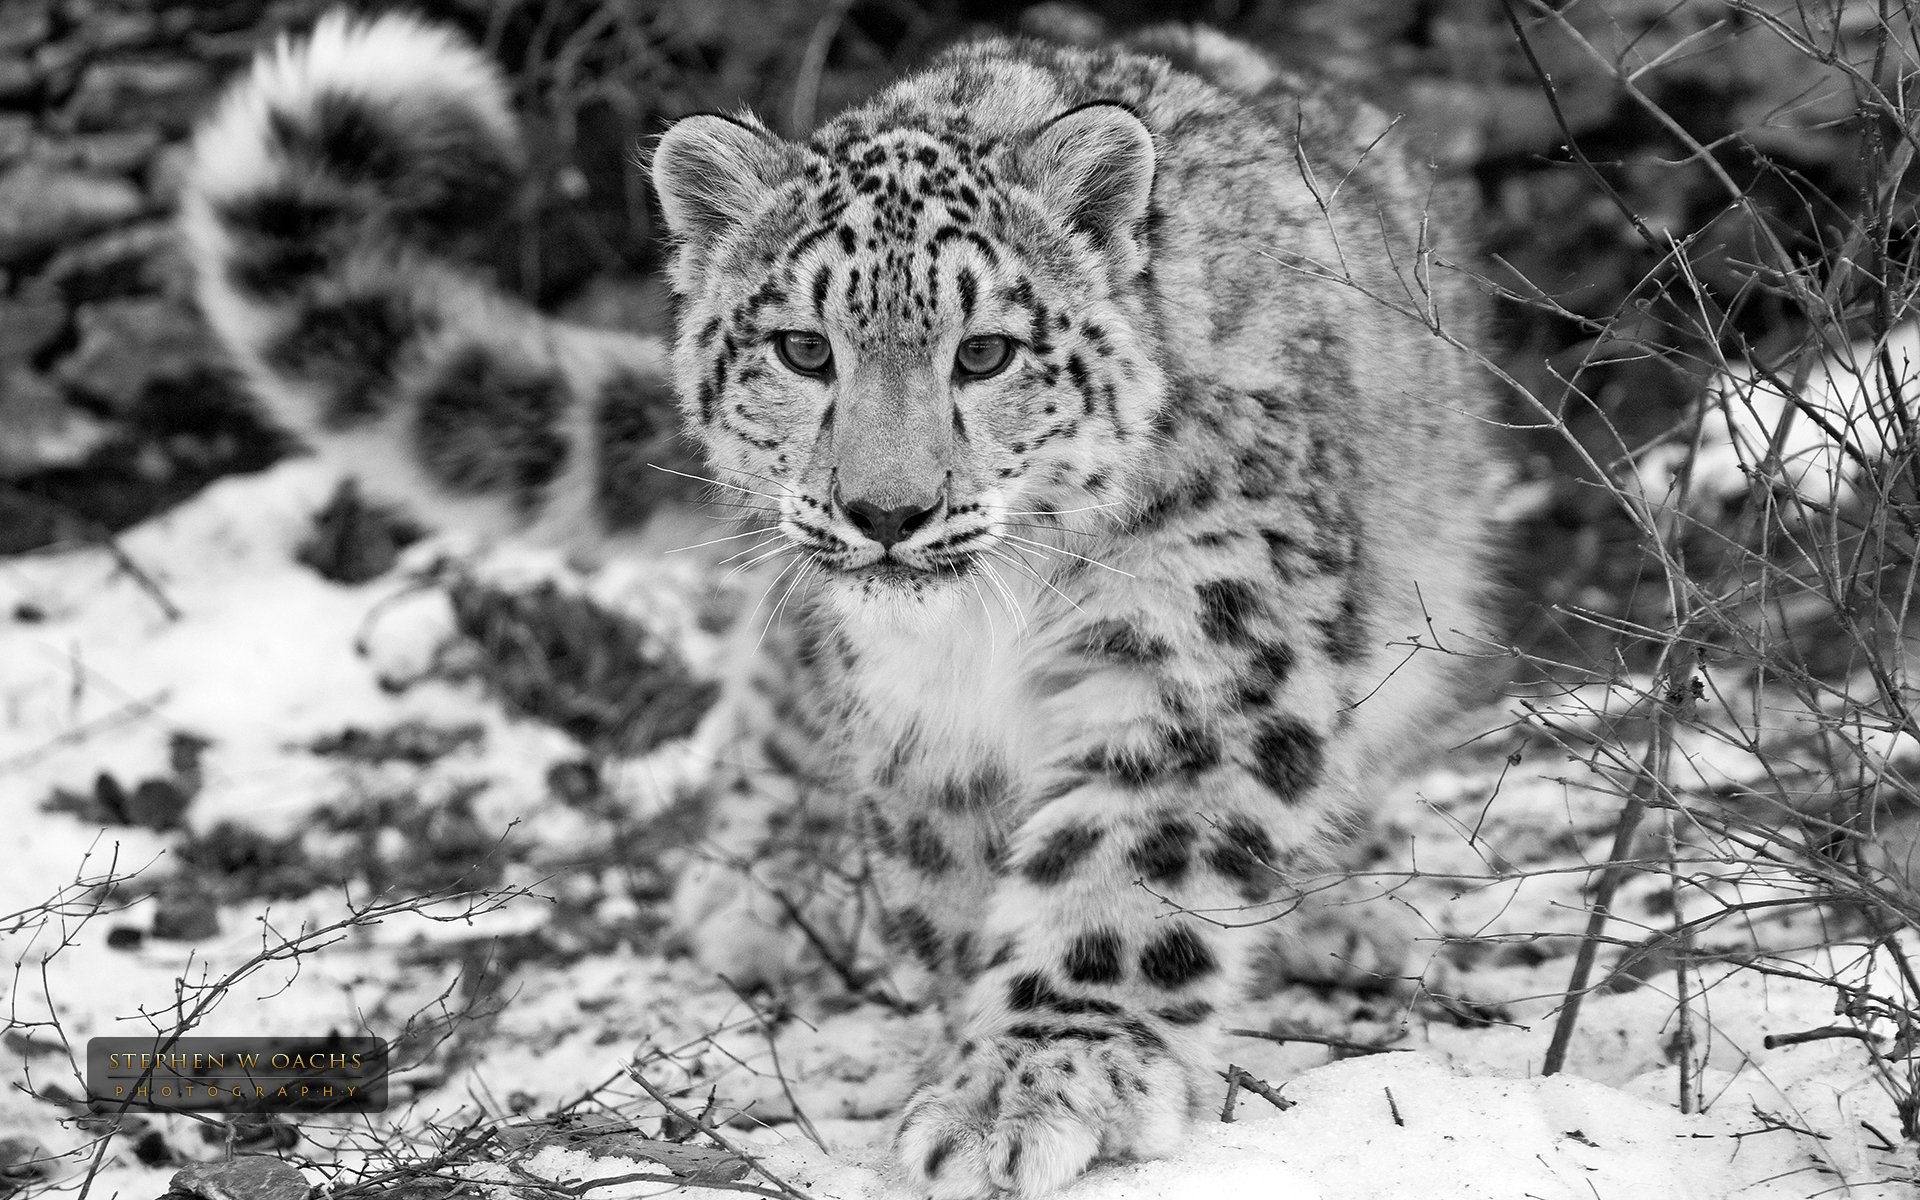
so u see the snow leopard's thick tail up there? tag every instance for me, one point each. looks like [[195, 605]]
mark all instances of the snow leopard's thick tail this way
[[331, 205]]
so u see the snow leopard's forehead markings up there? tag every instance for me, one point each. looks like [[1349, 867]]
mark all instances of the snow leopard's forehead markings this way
[[902, 209]]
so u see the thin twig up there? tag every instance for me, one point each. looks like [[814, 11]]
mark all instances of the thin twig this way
[[800, 1116], [1241, 1078], [1316, 1039], [717, 1138], [1824, 1033]]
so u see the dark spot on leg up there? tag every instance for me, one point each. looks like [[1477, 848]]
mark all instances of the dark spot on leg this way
[[1287, 757], [937, 1156], [925, 850], [1120, 643], [1177, 958], [1162, 855], [1191, 1013], [879, 831], [1244, 854], [966, 958], [1267, 668], [1094, 957], [888, 772], [1030, 991], [1226, 606], [913, 931], [1060, 854], [983, 789], [1143, 1036], [1175, 752], [1345, 634], [993, 852], [1044, 1033]]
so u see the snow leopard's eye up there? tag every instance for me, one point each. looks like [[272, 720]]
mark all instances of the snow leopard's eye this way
[[982, 357], [804, 351]]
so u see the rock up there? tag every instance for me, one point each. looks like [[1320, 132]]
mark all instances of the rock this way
[[167, 94], [121, 152], [167, 174], [19, 80], [16, 136], [120, 30], [42, 207], [186, 916], [111, 798], [58, 65], [43, 431], [355, 540], [24, 24], [127, 345], [30, 322], [245, 1177], [22, 1161], [157, 804], [138, 260]]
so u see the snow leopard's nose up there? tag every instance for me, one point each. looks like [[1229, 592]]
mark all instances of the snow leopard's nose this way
[[889, 525]]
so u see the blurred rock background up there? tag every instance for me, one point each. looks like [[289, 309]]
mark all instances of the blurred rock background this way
[[114, 404]]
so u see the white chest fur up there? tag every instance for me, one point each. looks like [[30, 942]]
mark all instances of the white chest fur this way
[[954, 676]]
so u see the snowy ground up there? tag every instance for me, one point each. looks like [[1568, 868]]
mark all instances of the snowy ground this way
[[539, 1001]]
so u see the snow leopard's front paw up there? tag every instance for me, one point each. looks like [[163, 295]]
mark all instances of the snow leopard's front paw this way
[[1026, 1111]]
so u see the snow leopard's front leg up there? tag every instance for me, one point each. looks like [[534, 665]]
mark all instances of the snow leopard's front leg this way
[[1090, 1034], [1201, 700]]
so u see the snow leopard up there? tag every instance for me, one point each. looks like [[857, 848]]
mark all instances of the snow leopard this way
[[1112, 419]]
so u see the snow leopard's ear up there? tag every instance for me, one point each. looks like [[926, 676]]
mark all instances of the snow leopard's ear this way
[[709, 171], [1093, 167]]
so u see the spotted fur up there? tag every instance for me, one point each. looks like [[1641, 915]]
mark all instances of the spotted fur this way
[[1084, 641]]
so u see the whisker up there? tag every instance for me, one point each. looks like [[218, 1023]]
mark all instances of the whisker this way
[[784, 596], [716, 541], [1013, 604], [716, 483], [756, 475], [784, 547], [1043, 580], [993, 643], [737, 570], [1014, 537], [1048, 528], [777, 538], [740, 512], [1056, 512], [730, 502], [768, 591]]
